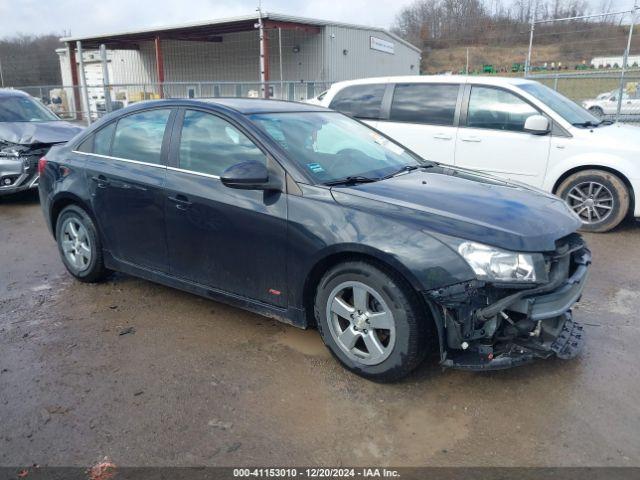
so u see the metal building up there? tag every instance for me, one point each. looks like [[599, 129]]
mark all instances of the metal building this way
[[269, 55]]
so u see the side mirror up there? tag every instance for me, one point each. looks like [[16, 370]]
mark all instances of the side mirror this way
[[537, 125], [251, 175]]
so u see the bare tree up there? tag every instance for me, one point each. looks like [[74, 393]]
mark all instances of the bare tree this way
[[30, 60]]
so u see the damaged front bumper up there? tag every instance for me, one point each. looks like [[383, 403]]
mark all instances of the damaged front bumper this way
[[485, 326], [19, 170]]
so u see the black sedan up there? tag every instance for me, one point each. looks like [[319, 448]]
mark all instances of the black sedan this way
[[303, 214]]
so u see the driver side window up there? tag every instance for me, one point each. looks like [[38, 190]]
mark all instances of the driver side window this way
[[498, 109]]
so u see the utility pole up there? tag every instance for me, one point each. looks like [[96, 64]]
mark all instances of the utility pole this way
[[466, 69], [1, 75], [527, 64], [625, 61]]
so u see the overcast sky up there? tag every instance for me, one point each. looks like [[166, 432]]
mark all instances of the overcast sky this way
[[85, 17]]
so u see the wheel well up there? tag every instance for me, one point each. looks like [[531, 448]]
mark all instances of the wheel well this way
[[615, 172], [324, 265], [61, 204]]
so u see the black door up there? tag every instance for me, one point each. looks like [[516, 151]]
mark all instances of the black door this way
[[126, 172], [231, 240]]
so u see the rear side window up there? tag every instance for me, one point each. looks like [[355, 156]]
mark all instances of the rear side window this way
[[86, 145], [361, 101], [498, 109], [139, 136], [209, 144], [424, 103], [102, 140], [99, 142]]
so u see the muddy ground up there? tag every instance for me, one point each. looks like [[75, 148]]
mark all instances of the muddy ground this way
[[201, 383]]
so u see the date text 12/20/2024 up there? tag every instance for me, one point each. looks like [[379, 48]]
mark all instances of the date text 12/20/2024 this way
[[315, 473]]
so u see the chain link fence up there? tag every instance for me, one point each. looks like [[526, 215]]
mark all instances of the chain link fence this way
[[592, 59], [223, 66], [70, 102], [599, 92]]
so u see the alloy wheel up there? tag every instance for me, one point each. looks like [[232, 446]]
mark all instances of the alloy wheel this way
[[76, 244], [361, 323], [592, 201]]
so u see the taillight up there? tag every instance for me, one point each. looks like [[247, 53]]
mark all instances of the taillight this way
[[42, 163]]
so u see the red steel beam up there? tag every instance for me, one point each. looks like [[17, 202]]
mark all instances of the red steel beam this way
[[291, 26], [159, 65]]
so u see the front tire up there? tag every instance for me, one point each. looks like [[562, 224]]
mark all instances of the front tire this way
[[371, 321], [597, 112], [79, 245], [600, 199]]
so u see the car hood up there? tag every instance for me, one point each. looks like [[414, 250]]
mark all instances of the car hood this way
[[29, 133], [627, 136], [470, 206]]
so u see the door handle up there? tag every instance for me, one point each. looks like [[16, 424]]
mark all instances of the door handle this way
[[471, 139], [442, 136], [182, 202], [101, 181]]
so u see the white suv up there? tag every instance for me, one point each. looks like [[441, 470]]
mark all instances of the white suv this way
[[508, 127]]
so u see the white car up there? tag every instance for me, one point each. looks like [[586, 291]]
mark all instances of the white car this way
[[607, 104], [512, 128]]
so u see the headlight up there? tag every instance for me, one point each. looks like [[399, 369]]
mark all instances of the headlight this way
[[8, 150], [490, 263]]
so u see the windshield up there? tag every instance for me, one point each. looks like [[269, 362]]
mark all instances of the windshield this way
[[567, 109], [331, 146], [18, 108]]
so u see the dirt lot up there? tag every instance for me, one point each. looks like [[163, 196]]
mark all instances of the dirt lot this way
[[201, 383]]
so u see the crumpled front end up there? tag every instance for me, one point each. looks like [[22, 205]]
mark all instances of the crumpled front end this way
[[489, 326], [19, 166]]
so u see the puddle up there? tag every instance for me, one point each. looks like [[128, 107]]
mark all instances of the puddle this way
[[307, 342], [623, 302], [41, 288]]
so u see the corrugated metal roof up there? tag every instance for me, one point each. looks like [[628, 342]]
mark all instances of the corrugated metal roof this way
[[236, 20]]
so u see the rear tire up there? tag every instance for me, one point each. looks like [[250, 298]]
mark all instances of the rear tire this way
[[599, 197], [371, 321], [79, 245]]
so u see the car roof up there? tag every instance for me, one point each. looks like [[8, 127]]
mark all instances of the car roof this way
[[258, 105], [10, 92], [486, 80]]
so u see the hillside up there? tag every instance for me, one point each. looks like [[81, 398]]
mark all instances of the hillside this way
[[502, 58]]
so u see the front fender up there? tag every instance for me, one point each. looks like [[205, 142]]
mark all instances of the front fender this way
[[320, 228], [426, 264]]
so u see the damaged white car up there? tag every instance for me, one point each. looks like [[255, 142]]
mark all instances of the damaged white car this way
[[27, 131]]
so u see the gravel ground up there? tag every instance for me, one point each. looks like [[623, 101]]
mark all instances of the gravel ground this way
[[195, 382]]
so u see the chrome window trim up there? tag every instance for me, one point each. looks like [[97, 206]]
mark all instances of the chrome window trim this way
[[193, 172], [137, 162]]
